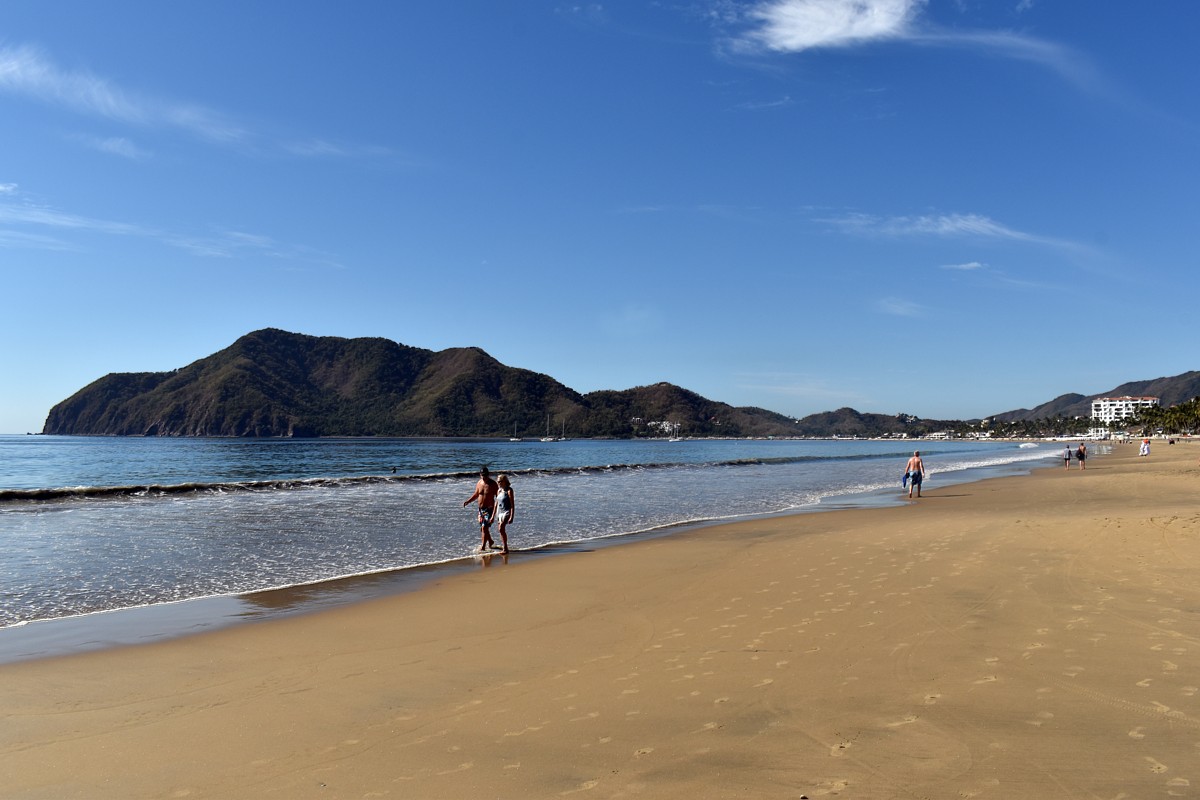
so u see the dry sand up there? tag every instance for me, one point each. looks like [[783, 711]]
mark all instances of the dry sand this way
[[1031, 637]]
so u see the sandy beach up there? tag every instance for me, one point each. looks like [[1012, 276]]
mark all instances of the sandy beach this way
[[1029, 637]]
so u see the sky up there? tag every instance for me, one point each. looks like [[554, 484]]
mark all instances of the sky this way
[[947, 208]]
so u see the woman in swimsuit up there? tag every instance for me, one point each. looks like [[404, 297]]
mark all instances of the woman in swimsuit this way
[[506, 508]]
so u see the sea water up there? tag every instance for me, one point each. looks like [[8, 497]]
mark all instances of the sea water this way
[[98, 524]]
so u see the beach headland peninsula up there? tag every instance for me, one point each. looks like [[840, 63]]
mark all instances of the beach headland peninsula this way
[[272, 383], [1033, 637]]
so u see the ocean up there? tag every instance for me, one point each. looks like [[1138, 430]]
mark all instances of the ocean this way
[[193, 533]]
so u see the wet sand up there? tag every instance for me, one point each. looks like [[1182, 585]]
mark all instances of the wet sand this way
[[1031, 637]]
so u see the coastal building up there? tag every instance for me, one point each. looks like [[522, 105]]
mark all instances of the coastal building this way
[[1111, 409]]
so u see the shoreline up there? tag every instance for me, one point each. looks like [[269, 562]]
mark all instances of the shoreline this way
[[121, 627], [1031, 636]]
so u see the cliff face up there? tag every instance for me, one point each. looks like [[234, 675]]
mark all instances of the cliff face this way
[[275, 383]]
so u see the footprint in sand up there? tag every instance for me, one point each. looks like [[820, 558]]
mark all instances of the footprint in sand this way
[[586, 786], [1042, 716], [930, 699], [1189, 691], [1156, 766], [645, 751], [1137, 733], [1146, 683], [463, 767], [828, 787], [1177, 787]]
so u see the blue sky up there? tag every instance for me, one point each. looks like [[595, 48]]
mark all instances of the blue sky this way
[[947, 208]]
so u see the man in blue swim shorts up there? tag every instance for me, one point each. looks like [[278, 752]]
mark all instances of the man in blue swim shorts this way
[[485, 491], [916, 473]]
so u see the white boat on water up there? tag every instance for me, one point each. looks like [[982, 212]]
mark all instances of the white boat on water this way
[[549, 438]]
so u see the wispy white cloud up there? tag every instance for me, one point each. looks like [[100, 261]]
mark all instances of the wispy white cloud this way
[[899, 307], [760, 105], [12, 214], [322, 148], [37, 227], [1070, 65], [20, 240], [631, 321], [593, 13], [8, 188], [795, 26], [944, 226], [967, 267], [787, 384], [28, 71], [115, 145]]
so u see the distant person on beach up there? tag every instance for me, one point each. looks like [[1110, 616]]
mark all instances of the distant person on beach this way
[[1081, 454], [1067, 457], [506, 508], [485, 491], [1145, 449], [916, 473]]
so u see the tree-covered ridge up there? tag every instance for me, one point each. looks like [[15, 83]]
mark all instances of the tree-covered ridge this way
[[1170, 391], [275, 383]]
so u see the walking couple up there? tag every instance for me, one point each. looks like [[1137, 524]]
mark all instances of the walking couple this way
[[498, 504]]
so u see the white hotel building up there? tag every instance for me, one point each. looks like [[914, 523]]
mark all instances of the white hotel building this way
[[1111, 409]]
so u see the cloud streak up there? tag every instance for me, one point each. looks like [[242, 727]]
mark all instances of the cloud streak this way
[[25, 227], [976, 226], [28, 71], [898, 307], [795, 385], [796, 26]]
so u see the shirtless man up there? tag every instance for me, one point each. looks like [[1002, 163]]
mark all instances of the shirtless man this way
[[916, 473], [485, 490]]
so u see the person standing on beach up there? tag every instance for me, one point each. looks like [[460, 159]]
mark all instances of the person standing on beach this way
[[1081, 454], [1067, 457], [506, 508], [485, 491], [916, 473]]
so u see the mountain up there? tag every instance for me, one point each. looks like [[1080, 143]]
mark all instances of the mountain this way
[[848, 422], [1170, 391], [275, 383]]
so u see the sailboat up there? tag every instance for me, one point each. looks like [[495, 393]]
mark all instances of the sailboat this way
[[514, 437], [547, 437]]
